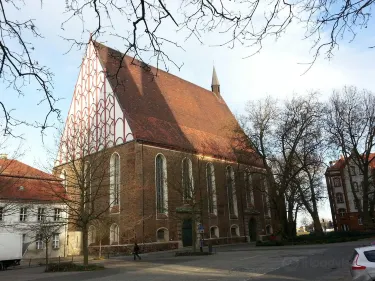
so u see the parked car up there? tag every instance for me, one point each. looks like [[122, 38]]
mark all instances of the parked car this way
[[363, 264]]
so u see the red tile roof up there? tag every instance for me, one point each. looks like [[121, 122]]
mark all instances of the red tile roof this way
[[19, 181], [168, 111], [340, 164]]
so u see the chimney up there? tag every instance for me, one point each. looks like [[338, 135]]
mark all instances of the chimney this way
[[330, 163], [215, 85]]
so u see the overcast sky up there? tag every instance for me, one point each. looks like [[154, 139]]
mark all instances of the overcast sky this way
[[277, 70]]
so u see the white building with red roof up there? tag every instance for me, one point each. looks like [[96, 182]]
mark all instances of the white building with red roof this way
[[28, 205], [343, 181]]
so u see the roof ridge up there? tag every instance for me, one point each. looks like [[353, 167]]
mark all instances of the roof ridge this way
[[44, 175], [158, 69]]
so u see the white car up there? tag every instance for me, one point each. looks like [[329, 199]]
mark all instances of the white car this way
[[363, 264]]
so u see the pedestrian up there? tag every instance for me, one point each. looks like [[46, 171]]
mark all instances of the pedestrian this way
[[136, 251]]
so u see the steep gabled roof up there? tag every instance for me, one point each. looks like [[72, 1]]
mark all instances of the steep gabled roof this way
[[169, 111], [19, 181]]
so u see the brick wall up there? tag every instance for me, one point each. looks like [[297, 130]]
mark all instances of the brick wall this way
[[137, 218]]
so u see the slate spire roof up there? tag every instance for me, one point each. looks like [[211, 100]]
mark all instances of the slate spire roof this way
[[215, 80]]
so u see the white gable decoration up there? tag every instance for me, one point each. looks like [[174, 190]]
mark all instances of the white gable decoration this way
[[95, 119]]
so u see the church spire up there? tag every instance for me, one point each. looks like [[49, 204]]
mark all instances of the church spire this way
[[215, 85]]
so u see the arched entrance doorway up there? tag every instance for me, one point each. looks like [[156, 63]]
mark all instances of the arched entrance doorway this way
[[253, 229], [187, 233]]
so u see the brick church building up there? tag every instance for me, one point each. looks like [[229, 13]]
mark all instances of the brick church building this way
[[173, 155]]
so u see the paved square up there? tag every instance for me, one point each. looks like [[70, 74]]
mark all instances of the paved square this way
[[236, 262]]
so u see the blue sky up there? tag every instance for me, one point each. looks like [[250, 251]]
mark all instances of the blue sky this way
[[276, 71]]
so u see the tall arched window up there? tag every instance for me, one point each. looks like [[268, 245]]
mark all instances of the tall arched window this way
[[266, 198], [114, 234], [161, 184], [249, 189], [339, 197], [231, 189], [115, 180], [211, 189], [92, 235], [187, 179]]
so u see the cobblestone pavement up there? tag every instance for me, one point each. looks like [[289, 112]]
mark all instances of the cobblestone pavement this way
[[237, 263]]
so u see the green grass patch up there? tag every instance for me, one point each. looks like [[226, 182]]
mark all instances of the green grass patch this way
[[70, 266]]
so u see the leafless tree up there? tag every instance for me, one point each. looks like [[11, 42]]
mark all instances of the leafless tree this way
[[259, 125], [99, 230], [44, 232], [248, 23], [350, 123], [18, 67], [288, 139], [186, 197], [305, 221], [85, 173]]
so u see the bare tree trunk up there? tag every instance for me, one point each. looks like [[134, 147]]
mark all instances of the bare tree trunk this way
[[290, 221], [85, 245], [312, 210]]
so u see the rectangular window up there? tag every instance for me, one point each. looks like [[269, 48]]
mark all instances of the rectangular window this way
[[23, 214], [1, 213], [56, 241], [339, 197], [360, 221], [355, 186], [342, 212], [352, 170], [41, 214], [355, 204], [39, 242], [336, 182], [57, 214]]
